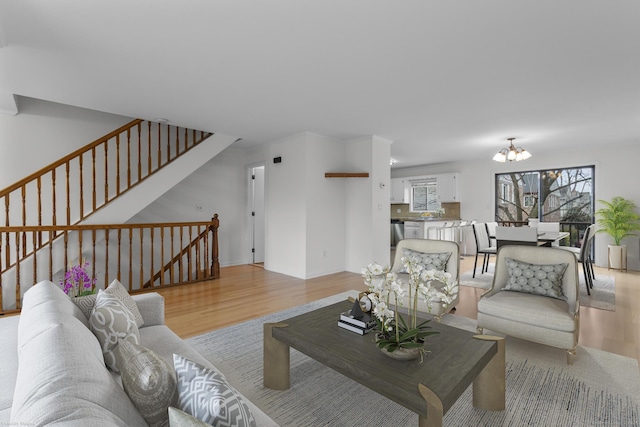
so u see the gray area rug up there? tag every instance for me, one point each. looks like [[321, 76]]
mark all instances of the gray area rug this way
[[599, 389], [603, 294]]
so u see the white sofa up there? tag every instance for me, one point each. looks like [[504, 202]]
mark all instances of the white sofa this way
[[53, 372]]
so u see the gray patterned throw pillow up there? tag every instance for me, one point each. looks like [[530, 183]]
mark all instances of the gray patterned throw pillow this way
[[205, 394], [85, 303], [430, 261], [149, 380], [111, 321], [117, 289], [538, 279]]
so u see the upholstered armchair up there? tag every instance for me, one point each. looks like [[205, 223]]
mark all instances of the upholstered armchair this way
[[430, 247], [544, 319]]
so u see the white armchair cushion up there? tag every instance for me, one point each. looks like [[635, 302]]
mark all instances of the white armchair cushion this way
[[548, 313]]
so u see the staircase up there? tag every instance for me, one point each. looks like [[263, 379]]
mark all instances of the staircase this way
[[75, 208]]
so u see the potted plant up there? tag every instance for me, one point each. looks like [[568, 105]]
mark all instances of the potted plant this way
[[77, 282], [399, 335], [618, 219]]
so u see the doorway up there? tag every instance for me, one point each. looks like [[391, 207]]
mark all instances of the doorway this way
[[256, 206]]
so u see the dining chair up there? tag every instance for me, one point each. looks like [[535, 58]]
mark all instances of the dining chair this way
[[483, 246], [523, 236], [491, 229], [583, 255]]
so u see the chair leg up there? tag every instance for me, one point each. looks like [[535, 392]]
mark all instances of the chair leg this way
[[479, 330], [587, 277], [486, 262], [571, 355], [591, 273], [474, 265]]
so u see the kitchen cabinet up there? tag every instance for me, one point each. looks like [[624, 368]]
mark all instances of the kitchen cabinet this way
[[447, 187], [433, 230], [413, 230], [399, 191]]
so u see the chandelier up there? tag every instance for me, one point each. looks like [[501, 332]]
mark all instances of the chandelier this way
[[512, 153]]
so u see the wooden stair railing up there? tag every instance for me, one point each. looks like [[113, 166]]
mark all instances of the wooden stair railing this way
[[186, 251], [72, 188], [141, 256]]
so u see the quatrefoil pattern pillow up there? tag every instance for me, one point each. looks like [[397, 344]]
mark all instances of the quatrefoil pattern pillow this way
[[111, 321], [538, 279], [430, 261]]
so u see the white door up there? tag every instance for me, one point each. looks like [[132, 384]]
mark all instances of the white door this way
[[257, 214]]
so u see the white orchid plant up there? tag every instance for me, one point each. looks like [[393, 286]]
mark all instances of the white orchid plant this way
[[386, 292]]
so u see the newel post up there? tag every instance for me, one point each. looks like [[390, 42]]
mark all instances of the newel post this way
[[215, 262]]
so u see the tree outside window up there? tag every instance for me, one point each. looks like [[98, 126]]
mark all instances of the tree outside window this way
[[554, 195]]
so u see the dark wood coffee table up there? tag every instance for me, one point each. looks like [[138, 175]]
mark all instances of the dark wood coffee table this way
[[456, 359]]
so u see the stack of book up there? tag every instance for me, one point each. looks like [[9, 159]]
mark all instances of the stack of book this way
[[360, 324]]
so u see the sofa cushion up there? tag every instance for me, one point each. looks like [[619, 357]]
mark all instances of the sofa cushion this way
[[430, 261], [49, 297], [178, 418], [87, 302], [118, 290], [61, 378], [9, 365], [538, 279], [112, 321], [205, 394], [149, 380]]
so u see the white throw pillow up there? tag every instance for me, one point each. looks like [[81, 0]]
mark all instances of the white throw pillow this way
[[205, 394], [111, 321]]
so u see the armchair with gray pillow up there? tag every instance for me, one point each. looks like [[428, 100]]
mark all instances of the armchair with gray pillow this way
[[437, 254], [534, 297]]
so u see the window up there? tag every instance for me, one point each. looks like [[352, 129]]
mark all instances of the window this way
[[424, 195], [555, 195], [529, 201]]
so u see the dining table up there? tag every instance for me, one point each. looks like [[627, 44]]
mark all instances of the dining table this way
[[547, 238]]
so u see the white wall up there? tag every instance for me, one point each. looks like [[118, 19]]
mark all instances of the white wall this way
[[43, 132], [367, 205], [304, 210], [219, 186], [325, 207], [617, 174], [285, 210]]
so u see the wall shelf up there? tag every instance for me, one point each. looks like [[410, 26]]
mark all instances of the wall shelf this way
[[346, 175]]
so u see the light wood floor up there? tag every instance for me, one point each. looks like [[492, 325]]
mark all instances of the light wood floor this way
[[246, 292]]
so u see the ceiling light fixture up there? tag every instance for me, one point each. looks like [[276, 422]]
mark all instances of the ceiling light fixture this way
[[512, 153], [392, 161]]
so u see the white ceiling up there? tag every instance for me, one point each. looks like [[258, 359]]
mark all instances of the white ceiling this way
[[444, 80]]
